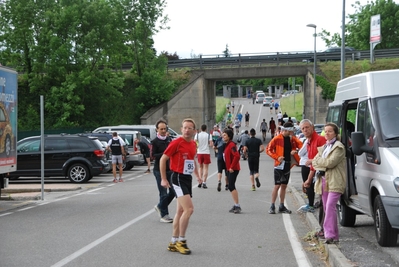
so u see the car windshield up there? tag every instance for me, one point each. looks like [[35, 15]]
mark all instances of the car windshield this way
[[388, 116]]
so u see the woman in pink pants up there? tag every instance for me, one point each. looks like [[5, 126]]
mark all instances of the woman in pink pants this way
[[331, 179]]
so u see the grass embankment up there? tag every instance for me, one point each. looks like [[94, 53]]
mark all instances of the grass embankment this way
[[221, 107], [293, 105]]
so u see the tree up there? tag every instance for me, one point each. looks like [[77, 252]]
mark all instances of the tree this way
[[227, 52], [357, 30], [72, 51]]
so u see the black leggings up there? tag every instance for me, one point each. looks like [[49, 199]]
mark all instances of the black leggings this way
[[232, 177], [310, 190]]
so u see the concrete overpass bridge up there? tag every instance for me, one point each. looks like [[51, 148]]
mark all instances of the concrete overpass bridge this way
[[197, 98]]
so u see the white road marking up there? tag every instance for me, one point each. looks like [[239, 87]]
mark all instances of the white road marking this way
[[100, 240], [296, 245]]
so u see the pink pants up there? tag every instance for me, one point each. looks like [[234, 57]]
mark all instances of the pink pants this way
[[330, 200]]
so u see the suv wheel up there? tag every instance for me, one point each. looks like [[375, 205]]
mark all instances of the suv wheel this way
[[78, 173]]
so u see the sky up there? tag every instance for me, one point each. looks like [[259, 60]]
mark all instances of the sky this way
[[204, 27]]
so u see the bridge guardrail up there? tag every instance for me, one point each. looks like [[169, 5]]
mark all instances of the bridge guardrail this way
[[210, 61]]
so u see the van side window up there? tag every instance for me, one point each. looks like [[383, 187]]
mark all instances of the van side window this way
[[334, 115], [365, 125]]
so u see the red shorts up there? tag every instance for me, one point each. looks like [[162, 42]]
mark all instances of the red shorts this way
[[204, 158]]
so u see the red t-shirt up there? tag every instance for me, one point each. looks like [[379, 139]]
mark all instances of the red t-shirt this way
[[181, 154], [232, 156], [315, 142]]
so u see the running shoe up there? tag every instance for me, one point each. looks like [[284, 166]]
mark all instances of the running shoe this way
[[199, 185], [253, 188], [232, 209], [166, 219], [157, 210], [172, 247], [272, 210], [257, 182], [181, 246], [120, 180], [237, 210], [306, 208], [219, 186], [204, 186], [284, 210], [226, 187], [147, 171], [115, 181]]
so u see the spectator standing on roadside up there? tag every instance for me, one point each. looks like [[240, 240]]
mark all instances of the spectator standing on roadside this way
[[232, 160], [159, 145], [219, 146], [284, 150], [116, 146], [263, 128], [247, 119], [331, 179], [272, 127], [285, 115], [181, 153], [204, 141], [252, 148], [142, 148]]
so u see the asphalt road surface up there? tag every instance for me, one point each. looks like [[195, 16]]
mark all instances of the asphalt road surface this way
[[107, 224]]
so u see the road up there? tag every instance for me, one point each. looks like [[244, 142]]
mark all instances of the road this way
[[107, 224]]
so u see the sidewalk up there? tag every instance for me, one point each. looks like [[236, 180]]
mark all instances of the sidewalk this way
[[334, 255], [33, 191]]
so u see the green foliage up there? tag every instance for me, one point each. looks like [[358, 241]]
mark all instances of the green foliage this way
[[357, 29], [71, 52], [328, 91]]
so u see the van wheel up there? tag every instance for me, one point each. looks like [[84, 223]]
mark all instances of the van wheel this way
[[78, 173], [346, 215], [385, 234]]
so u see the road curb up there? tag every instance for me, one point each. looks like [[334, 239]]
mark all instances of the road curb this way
[[335, 257], [31, 193]]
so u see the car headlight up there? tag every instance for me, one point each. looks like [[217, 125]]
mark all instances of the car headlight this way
[[396, 183]]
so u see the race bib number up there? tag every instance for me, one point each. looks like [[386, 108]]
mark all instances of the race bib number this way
[[188, 166]]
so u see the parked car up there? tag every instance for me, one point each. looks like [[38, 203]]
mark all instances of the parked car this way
[[104, 138], [268, 101], [292, 118], [260, 97], [75, 157], [319, 128]]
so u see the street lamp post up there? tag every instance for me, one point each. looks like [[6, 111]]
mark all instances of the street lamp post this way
[[314, 72]]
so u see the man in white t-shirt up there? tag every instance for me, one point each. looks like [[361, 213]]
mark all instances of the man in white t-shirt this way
[[204, 143]]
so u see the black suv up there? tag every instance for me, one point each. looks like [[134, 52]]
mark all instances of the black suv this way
[[77, 157]]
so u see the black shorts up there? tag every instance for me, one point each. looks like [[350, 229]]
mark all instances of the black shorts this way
[[221, 166], [264, 131], [282, 176], [253, 165], [182, 184]]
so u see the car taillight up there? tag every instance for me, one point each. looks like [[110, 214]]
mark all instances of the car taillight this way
[[99, 153]]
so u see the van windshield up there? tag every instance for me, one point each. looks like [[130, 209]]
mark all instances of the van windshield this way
[[388, 116]]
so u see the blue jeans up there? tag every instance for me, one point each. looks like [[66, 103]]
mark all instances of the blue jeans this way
[[165, 197]]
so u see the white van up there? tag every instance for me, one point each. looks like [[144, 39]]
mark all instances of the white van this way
[[145, 130], [366, 108]]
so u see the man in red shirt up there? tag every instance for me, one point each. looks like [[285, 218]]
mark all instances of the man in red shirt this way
[[181, 153]]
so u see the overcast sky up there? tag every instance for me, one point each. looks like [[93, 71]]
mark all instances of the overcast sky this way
[[251, 26]]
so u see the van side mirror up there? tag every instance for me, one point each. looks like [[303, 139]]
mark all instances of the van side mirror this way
[[359, 144]]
